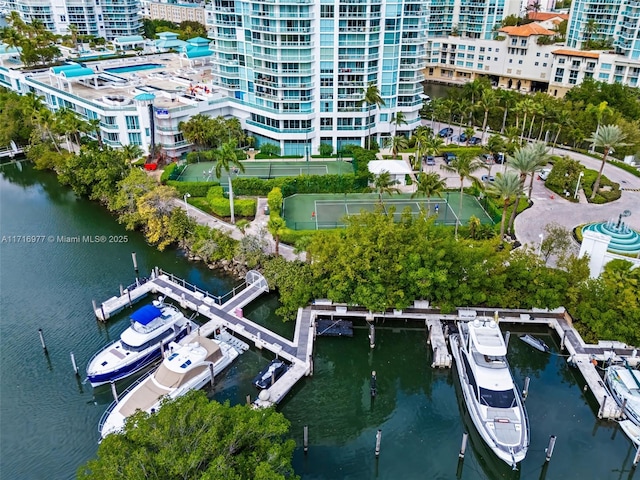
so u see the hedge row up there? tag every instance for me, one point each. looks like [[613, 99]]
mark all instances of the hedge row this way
[[242, 207], [300, 184], [167, 172], [625, 166], [195, 189], [291, 237], [602, 196]]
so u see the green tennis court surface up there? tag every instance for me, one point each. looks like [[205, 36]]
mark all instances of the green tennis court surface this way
[[320, 211], [206, 171]]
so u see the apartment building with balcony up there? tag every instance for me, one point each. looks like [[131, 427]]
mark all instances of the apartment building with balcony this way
[[175, 12], [298, 69], [102, 18]]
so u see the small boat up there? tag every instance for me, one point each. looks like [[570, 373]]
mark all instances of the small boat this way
[[492, 398], [624, 383], [270, 374], [535, 342], [152, 327], [632, 430], [186, 367]]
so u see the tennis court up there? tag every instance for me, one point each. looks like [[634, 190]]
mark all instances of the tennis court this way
[[322, 211], [206, 171]]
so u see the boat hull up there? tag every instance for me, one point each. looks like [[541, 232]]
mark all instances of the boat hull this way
[[517, 454], [625, 392]]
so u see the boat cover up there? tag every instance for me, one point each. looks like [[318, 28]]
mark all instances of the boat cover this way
[[146, 314]]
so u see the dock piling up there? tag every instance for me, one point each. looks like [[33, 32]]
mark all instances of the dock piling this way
[[525, 390], [248, 399], [121, 290], [563, 340], [44, 345], [305, 438], [311, 365], [604, 402], [73, 362], [636, 459], [378, 439], [463, 447], [372, 335], [623, 408], [135, 264], [95, 308], [114, 392], [129, 295], [373, 383], [429, 335], [549, 450], [507, 337], [104, 317], [212, 375]]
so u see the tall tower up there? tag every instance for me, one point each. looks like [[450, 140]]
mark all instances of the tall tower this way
[[298, 69]]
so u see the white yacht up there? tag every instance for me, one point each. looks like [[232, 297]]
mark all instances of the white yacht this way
[[624, 383], [152, 327], [490, 395], [186, 367]]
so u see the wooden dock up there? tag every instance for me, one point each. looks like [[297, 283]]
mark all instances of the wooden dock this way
[[225, 313]]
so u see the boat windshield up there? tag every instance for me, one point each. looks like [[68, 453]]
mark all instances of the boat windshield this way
[[497, 398]]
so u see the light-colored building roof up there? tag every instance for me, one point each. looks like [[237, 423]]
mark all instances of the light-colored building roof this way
[[576, 53], [394, 167], [527, 30], [129, 39]]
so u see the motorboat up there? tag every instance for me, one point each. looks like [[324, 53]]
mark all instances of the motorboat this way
[[152, 328], [624, 383], [492, 398], [185, 368], [632, 430], [270, 374], [535, 342]]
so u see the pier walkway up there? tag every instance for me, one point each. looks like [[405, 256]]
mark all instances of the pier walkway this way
[[225, 312]]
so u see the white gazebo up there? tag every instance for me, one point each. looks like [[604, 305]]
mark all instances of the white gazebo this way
[[398, 169]]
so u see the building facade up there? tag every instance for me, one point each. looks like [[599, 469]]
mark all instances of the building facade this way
[[298, 69], [102, 18], [176, 12]]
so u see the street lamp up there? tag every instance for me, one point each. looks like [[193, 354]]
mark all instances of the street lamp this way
[[575, 195], [186, 204], [541, 237]]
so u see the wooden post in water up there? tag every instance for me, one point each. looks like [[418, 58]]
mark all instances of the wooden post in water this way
[[549, 449], [604, 402], [135, 264], [372, 335], [373, 384], [104, 317], [525, 390], [305, 438], [636, 459], [212, 375], [248, 399], [429, 335], [463, 447], [311, 365], [378, 439], [73, 362], [563, 339], [114, 392], [121, 290], [44, 345]]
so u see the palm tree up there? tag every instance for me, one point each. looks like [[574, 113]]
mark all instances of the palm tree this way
[[384, 184], [472, 91], [486, 102], [197, 130], [508, 100], [398, 119], [536, 109], [226, 159], [433, 145], [276, 226], [47, 124], [396, 144], [506, 186], [73, 30], [94, 126], [131, 152], [421, 136], [523, 162], [465, 164], [599, 111], [609, 137], [590, 28], [371, 96], [428, 185], [540, 153], [563, 117]]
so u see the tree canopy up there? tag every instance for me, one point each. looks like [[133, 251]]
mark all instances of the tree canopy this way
[[194, 438]]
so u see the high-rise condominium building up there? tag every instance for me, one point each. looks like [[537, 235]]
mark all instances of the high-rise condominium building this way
[[615, 20], [299, 69], [102, 18]]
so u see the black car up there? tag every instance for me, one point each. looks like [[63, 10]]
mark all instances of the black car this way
[[445, 132], [488, 178], [462, 137], [475, 141], [448, 157], [270, 373]]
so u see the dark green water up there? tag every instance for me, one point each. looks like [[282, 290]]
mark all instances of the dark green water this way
[[48, 419]]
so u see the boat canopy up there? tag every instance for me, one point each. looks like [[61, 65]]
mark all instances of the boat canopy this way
[[146, 314], [487, 338]]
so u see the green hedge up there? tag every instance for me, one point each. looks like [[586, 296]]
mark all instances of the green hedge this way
[[167, 172], [625, 166], [347, 183], [220, 206], [266, 156], [291, 237], [601, 197], [195, 189], [215, 192]]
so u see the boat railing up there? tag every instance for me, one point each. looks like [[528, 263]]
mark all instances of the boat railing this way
[[111, 407], [99, 352], [219, 299]]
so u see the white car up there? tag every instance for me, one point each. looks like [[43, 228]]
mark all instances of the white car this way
[[544, 173]]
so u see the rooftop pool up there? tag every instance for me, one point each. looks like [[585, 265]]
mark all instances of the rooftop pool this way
[[134, 68]]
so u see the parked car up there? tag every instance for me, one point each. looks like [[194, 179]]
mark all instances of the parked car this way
[[462, 138], [475, 141], [431, 160], [445, 132], [272, 372], [448, 157], [544, 173], [500, 158], [487, 178], [487, 158]]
